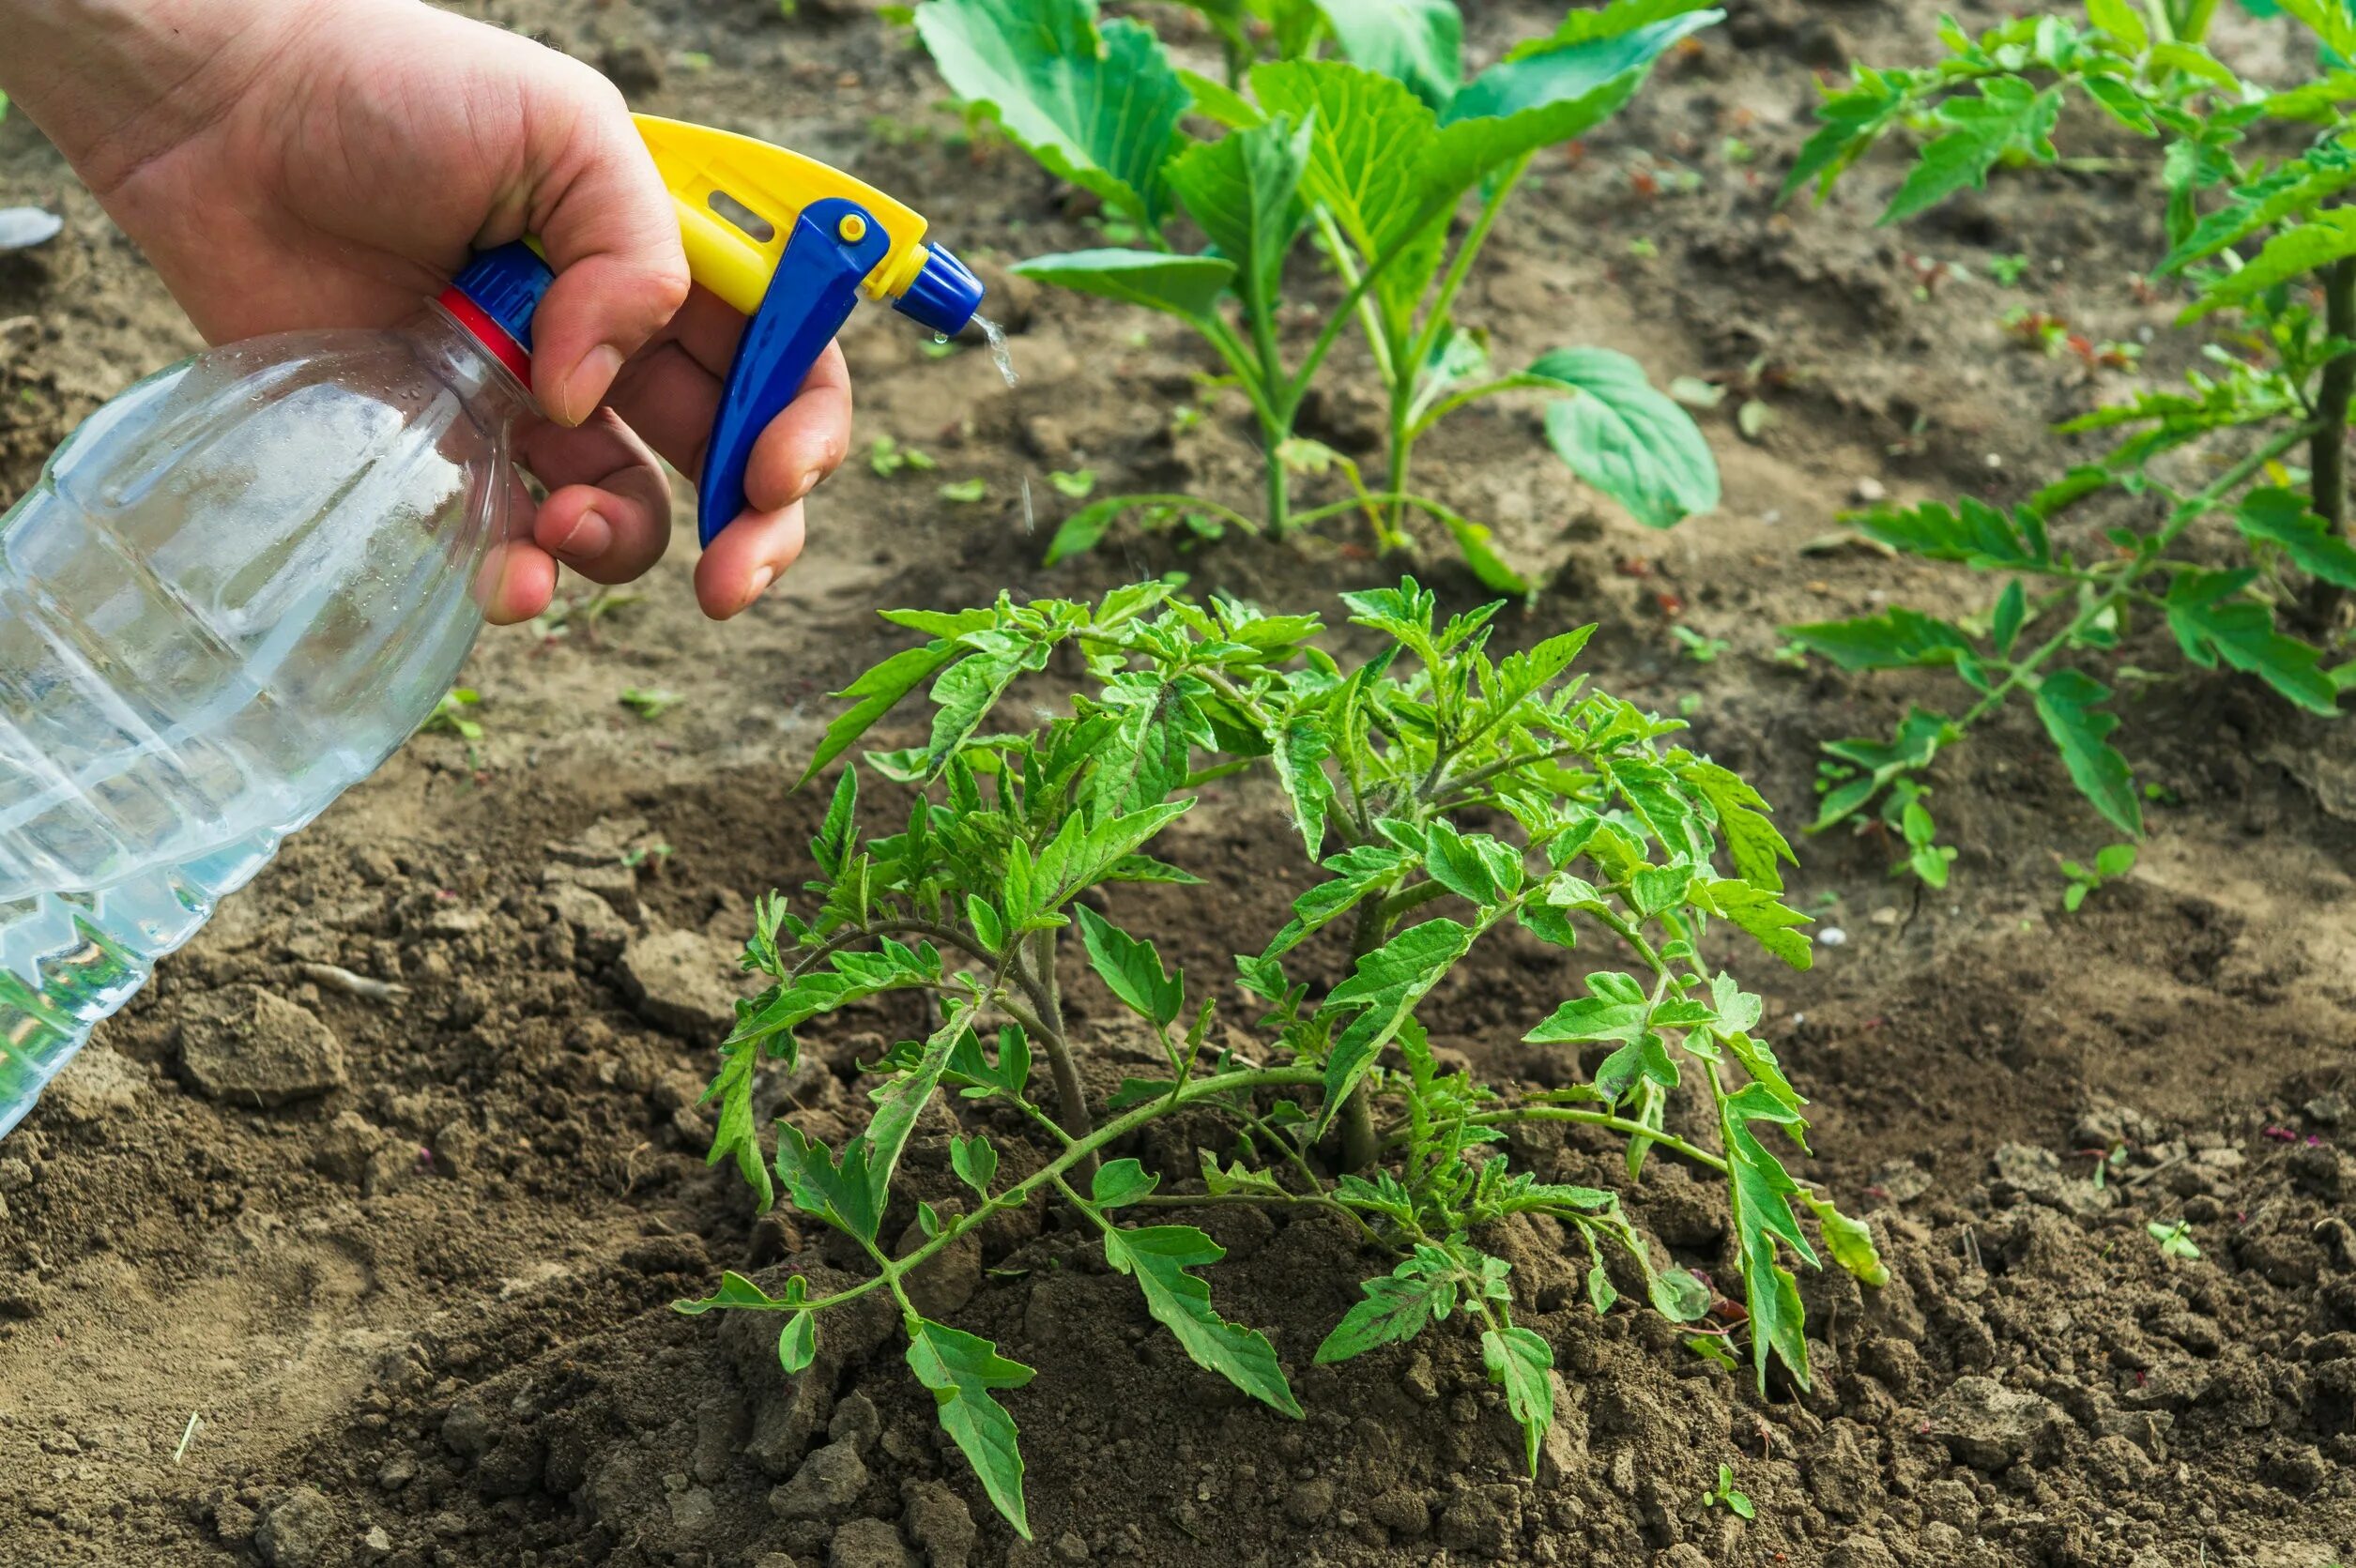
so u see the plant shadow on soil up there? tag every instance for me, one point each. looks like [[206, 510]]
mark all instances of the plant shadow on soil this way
[[421, 1318]]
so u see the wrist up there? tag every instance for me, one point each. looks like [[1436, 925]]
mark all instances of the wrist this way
[[114, 83]]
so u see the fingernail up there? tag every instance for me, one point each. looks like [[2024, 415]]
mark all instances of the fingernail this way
[[589, 381], [590, 537], [762, 577]]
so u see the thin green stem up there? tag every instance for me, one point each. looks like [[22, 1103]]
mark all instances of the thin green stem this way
[[1231, 348], [1605, 1120], [1436, 316], [2187, 512], [1022, 1192], [1409, 899], [1329, 232], [1173, 499]]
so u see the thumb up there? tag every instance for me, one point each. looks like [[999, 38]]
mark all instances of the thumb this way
[[605, 219]]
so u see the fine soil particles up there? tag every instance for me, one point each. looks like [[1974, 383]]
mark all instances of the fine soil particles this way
[[411, 1305]]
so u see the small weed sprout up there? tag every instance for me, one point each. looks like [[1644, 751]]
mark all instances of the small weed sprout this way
[[1727, 1495], [1701, 650], [2175, 1241], [454, 715], [2110, 863], [649, 702], [887, 457], [1447, 797]]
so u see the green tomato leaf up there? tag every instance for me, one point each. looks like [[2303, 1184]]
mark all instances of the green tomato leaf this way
[[737, 1291], [2214, 620], [1895, 639], [1971, 531], [1098, 106], [1158, 1257], [1850, 1242], [2290, 190], [1519, 1362], [974, 1160], [1183, 286], [1396, 1308], [1772, 924], [2066, 702], [2326, 236], [2283, 517], [1751, 840], [1359, 872], [1384, 990], [961, 1369], [2006, 115], [1132, 969], [1120, 1182], [1298, 747], [879, 691], [1636, 445], [798, 1343]]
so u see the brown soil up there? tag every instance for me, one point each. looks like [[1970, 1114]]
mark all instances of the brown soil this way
[[422, 1318]]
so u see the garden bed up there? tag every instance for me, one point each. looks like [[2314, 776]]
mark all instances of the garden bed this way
[[422, 1316]]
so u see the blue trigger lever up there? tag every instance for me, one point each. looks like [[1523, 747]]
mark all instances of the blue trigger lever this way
[[812, 293]]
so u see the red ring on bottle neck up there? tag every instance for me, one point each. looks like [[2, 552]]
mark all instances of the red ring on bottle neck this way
[[488, 332]]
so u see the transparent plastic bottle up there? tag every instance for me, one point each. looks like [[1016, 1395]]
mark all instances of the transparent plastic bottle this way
[[234, 592]]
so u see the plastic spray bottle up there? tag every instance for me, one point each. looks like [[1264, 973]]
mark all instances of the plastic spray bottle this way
[[244, 582]]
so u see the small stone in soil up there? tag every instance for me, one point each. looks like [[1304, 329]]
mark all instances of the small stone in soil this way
[[1989, 1427], [868, 1544], [936, 1519], [299, 1532], [855, 1423], [682, 984], [825, 1487], [248, 1047]]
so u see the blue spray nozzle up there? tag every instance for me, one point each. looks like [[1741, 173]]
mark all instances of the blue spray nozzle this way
[[944, 295]]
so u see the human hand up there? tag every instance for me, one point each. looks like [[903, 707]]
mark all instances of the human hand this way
[[329, 164]]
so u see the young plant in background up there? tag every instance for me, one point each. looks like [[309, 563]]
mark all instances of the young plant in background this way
[[2259, 245], [1373, 155], [1006, 876]]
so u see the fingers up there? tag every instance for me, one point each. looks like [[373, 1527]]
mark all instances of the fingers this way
[[806, 442], [518, 581], [669, 394], [607, 225], [750, 553], [608, 512]]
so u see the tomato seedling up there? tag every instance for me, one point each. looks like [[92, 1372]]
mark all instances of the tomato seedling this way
[[2256, 242], [1444, 798]]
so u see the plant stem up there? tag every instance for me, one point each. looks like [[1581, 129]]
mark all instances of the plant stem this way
[[2187, 512], [2328, 450], [1361, 1145], [1403, 452], [1081, 1149], [1039, 981], [1605, 1120], [1280, 502]]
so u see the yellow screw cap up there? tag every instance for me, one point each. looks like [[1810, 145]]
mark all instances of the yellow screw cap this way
[[853, 228]]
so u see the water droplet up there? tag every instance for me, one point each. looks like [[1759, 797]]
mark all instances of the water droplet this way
[[996, 336], [940, 337], [1030, 518]]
